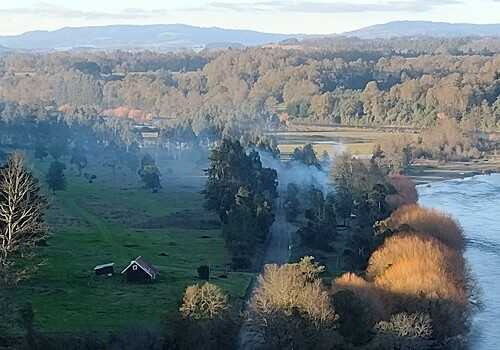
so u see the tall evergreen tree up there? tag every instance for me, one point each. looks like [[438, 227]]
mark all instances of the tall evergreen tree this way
[[55, 177]]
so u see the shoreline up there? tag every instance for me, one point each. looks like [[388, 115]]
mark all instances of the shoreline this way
[[425, 172]]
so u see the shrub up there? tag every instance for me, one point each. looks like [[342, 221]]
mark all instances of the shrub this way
[[206, 321], [422, 276], [291, 308], [211, 334], [362, 289], [289, 332], [355, 317], [405, 331], [425, 283], [206, 301], [408, 247], [406, 192], [293, 287], [204, 272], [430, 222], [407, 325]]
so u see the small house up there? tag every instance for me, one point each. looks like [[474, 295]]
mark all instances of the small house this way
[[139, 270], [105, 269]]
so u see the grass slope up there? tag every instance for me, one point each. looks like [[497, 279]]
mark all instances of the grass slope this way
[[114, 220]]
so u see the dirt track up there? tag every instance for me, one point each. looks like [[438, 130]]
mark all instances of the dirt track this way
[[277, 252]]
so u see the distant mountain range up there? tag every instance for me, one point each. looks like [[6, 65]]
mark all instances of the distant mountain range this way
[[161, 37], [179, 36], [422, 28]]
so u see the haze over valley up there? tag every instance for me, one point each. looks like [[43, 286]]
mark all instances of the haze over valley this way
[[175, 186]]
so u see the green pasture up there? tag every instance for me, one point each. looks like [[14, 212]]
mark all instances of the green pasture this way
[[115, 220]]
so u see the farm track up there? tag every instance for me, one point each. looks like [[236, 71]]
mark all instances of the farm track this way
[[100, 225], [277, 252]]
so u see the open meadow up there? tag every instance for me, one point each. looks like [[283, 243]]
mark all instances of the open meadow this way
[[332, 139], [115, 220]]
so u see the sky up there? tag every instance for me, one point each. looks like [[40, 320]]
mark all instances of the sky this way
[[275, 16]]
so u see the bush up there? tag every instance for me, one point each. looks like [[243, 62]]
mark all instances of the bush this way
[[206, 321], [406, 192], [291, 308], [408, 247], [293, 287], [414, 273], [289, 332], [205, 301], [211, 334], [204, 272], [407, 325], [405, 331], [430, 222], [355, 317], [423, 275], [363, 290], [426, 282]]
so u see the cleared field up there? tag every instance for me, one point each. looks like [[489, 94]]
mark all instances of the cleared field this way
[[333, 140], [115, 220]]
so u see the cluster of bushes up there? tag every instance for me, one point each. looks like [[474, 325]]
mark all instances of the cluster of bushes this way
[[416, 287], [446, 141], [413, 294]]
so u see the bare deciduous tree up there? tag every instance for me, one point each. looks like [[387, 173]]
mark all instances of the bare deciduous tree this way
[[21, 214]]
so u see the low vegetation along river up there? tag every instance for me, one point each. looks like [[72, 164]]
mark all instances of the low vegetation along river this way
[[475, 202]]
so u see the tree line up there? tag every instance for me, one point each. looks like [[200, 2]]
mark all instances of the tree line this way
[[313, 81], [242, 192]]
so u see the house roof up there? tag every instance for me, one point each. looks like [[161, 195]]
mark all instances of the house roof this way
[[103, 266], [144, 265]]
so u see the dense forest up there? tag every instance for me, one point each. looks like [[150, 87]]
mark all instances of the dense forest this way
[[350, 81]]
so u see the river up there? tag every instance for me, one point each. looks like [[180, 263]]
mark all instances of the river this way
[[475, 203]]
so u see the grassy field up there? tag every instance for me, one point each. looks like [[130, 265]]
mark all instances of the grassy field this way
[[333, 140], [115, 220]]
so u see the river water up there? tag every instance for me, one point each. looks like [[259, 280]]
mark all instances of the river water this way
[[475, 203]]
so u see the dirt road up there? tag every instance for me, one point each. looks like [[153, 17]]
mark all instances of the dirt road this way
[[277, 252]]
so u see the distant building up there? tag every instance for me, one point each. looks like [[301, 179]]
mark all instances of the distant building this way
[[139, 270], [105, 269], [149, 137]]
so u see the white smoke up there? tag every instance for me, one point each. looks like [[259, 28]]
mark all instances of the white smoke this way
[[298, 173]]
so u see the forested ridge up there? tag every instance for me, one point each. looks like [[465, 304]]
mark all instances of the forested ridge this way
[[398, 82]]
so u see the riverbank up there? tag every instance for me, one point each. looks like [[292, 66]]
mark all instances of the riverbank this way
[[429, 171], [361, 141], [475, 204]]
